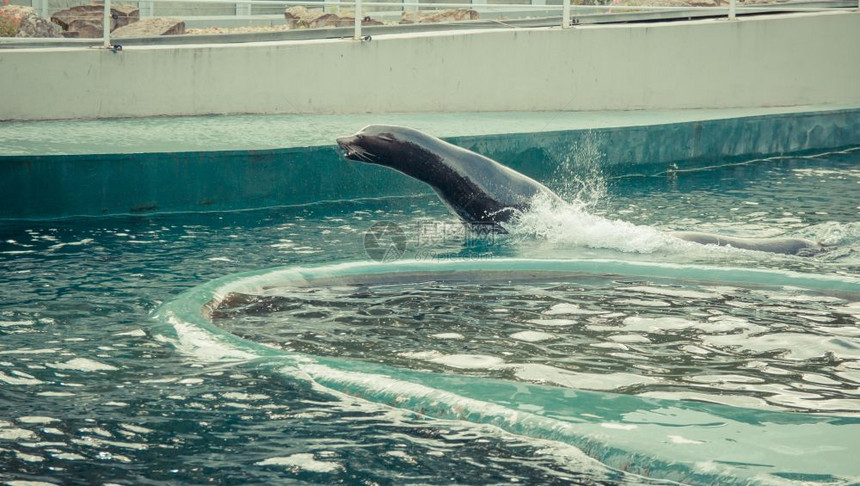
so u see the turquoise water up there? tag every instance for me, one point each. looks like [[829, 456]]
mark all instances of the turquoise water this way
[[108, 373]]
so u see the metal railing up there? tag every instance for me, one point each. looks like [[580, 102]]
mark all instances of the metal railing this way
[[147, 8]]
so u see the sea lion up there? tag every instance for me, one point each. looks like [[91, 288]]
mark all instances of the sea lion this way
[[482, 191]]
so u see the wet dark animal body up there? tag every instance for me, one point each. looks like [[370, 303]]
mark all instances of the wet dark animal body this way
[[482, 191], [476, 188]]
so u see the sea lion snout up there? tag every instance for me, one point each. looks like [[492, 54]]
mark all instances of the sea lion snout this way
[[354, 147], [347, 144]]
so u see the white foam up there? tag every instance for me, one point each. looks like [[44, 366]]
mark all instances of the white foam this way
[[677, 439], [304, 462], [642, 303], [569, 309], [402, 456], [14, 433], [85, 241], [724, 399], [615, 426], [96, 430], [673, 292], [447, 335], [617, 346], [796, 346], [819, 379], [721, 324], [245, 396], [658, 324], [134, 333], [630, 338], [69, 456], [469, 361], [571, 225], [29, 483], [30, 351], [15, 380], [693, 349], [552, 322], [28, 457], [852, 309], [191, 381], [727, 378], [83, 364], [90, 441], [572, 379], [136, 428], [532, 336], [197, 342], [36, 419], [16, 323]]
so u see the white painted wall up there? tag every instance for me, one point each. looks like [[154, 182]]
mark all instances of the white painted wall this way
[[786, 60]]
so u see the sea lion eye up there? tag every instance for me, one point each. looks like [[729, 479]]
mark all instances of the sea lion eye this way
[[386, 137]]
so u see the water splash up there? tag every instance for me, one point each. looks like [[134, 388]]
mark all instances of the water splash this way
[[835, 234], [574, 223], [570, 224], [581, 171]]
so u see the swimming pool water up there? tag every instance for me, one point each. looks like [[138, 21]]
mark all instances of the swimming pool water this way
[[92, 394]]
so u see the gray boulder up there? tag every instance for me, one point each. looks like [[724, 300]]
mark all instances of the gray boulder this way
[[151, 27], [455, 15], [87, 21], [29, 23], [299, 17]]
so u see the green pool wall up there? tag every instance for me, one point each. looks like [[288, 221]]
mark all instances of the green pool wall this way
[[60, 186]]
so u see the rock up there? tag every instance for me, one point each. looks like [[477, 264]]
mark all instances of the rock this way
[[299, 17], [19, 21], [417, 17], [324, 20], [91, 13], [86, 28], [87, 21], [293, 15], [151, 27], [302, 18], [36, 26], [124, 14], [350, 20]]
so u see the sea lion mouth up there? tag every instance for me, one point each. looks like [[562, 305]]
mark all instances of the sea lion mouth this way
[[352, 151]]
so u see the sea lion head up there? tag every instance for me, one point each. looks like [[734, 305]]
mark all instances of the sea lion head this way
[[389, 145]]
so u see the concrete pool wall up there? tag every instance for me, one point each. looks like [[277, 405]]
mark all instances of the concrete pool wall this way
[[35, 186], [760, 61]]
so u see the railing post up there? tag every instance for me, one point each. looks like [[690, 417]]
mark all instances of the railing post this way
[[732, 9], [243, 8], [41, 6], [107, 19], [358, 20], [565, 14], [146, 8]]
